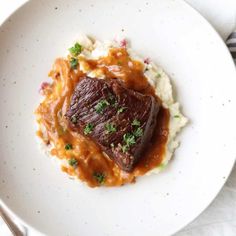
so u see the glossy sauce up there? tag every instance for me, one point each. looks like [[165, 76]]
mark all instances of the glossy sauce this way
[[55, 132]]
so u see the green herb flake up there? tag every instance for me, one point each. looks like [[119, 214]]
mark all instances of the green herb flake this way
[[73, 63], [176, 116], [115, 104], [162, 166], [73, 119], [88, 129], [112, 100], [138, 132], [73, 162], [75, 50], [101, 106], [112, 145], [68, 146], [129, 139], [119, 63], [100, 177], [125, 148], [135, 122], [122, 109], [110, 128], [158, 75]]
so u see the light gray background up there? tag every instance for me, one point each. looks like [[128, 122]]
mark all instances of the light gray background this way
[[220, 217]]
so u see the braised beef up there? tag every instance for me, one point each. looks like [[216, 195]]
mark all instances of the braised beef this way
[[121, 121]]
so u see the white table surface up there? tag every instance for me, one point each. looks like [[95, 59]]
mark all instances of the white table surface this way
[[220, 217]]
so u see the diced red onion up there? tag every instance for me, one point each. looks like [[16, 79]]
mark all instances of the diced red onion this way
[[43, 86], [147, 60], [123, 43]]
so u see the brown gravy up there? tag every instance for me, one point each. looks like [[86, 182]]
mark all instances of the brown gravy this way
[[54, 129]]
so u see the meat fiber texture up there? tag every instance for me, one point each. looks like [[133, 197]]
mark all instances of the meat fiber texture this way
[[121, 121]]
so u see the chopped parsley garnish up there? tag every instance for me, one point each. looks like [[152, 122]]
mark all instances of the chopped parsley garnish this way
[[158, 75], [119, 63], [112, 100], [135, 122], [176, 116], [138, 132], [112, 145], [122, 109], [125, 148], [162, 166], [73, 162], [68, 146], [75, 50], [99, 176], [88, 128], [101, 106], [73, 63], [73, 119], [115, 104], [110, 128], [129, 139]]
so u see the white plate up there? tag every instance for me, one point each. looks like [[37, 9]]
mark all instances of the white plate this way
[[185, 45]]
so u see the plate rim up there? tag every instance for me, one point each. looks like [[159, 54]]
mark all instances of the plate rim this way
[[190, 220]]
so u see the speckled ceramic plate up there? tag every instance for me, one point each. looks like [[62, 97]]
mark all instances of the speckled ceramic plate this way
[[174, 36]]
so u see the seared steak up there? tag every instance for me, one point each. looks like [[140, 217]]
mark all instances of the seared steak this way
[[120, 120]]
